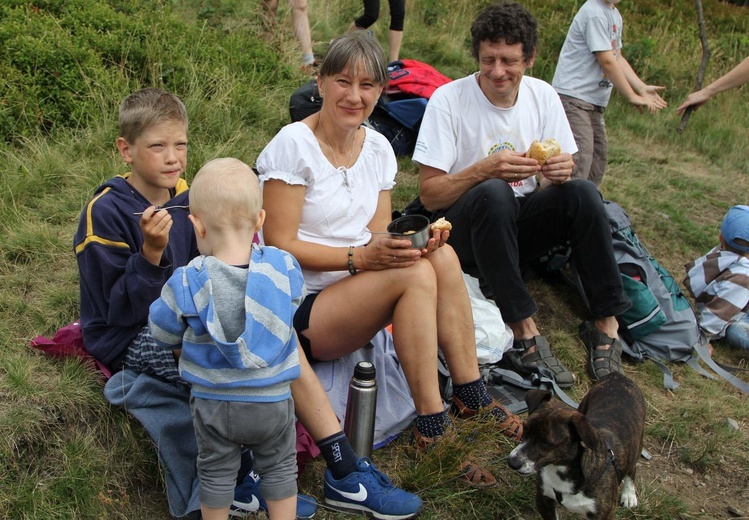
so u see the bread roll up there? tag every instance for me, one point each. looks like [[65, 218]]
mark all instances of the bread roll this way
[[542, 151], [441, 224]]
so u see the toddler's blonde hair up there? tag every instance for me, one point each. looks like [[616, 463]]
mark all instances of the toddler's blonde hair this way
[[225, 194]]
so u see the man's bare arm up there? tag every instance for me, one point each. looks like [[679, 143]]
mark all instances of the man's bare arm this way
[[439, 190]]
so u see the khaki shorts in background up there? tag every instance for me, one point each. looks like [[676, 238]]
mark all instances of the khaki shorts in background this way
[[589, 129]]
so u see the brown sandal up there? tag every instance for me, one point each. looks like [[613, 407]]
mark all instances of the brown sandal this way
[[476, 476], [508, 424], [470, 472]]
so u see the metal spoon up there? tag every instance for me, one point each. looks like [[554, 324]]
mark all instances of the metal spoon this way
[[164, 207]]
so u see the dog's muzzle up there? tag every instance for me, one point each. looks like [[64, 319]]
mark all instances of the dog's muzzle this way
[[519, 462]]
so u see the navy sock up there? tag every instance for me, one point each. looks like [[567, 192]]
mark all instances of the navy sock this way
[[339, 455], [432, 425], [473, 394]]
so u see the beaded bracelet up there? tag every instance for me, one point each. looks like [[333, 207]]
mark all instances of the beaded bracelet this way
[[351, 268]]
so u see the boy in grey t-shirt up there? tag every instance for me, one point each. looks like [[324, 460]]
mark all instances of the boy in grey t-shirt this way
[[590, 64]]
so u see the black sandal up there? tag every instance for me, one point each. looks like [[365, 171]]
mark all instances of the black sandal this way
[[542, 358], [600, 361]]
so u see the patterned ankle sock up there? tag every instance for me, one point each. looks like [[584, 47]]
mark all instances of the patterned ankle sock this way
[[339, 455], [475, 396], [432, 425]]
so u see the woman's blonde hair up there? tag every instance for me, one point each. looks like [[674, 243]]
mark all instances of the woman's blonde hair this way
[[356, 49]]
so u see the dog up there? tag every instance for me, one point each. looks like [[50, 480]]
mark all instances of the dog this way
[[581, 456]]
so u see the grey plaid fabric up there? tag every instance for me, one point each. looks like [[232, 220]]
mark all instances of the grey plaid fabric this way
[[144, 355]]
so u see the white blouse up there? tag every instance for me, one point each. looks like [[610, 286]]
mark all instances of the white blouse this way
[[339, 203]]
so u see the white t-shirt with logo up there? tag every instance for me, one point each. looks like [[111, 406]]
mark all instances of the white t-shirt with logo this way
[[596, 27], [461, 126]]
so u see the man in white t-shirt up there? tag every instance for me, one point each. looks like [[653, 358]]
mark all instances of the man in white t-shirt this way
[[473, 170]]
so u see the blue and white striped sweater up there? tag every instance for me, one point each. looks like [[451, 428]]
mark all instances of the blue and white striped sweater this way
[[260, 365]]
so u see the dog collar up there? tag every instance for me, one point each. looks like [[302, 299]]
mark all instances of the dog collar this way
[[610, 460]]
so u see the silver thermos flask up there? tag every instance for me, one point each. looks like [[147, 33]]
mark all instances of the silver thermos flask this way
[[360, 409]]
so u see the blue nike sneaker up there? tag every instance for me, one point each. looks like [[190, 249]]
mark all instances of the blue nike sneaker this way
[[247, 500], [369, 491]]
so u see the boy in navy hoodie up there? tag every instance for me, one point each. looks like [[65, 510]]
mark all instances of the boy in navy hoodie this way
[[133, 234]]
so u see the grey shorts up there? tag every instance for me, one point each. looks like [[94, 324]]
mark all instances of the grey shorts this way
[[224, 428]]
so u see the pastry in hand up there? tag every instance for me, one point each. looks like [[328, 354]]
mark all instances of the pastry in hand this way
[[543, 151], [441, 224]]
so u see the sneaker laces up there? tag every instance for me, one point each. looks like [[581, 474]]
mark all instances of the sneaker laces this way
[[383, 479]]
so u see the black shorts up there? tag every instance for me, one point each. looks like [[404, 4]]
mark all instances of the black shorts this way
[[301, 323]]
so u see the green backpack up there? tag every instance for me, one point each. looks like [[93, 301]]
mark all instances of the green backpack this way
[[661, 325]]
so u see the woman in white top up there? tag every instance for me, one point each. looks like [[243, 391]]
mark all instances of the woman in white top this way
[[326, 188]]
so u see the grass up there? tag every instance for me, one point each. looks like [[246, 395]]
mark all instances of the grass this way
[[65, 453]]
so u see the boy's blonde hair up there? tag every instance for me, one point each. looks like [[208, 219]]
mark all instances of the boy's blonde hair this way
[[148, 107], [225, 194]]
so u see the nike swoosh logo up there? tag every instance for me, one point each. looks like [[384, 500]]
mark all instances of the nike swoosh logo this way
[[359, 496], [254, 505]]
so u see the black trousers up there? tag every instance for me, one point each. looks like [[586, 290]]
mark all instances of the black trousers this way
[[494, 233]]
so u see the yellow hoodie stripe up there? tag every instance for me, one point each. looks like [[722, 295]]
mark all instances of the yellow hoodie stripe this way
[[91, 238]]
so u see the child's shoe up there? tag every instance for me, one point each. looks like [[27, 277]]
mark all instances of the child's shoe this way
[[247, 500]]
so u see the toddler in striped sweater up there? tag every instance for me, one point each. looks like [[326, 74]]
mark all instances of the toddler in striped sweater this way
[[719, 282]]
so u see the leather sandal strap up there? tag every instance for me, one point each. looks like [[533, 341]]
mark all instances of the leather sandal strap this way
[[601, 361], [476, 476], [542, 354], [508, 424], [511, 426], [608, 358], [525, 344]]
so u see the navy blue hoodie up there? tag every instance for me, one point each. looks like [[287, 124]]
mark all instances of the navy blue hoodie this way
[[117, 283]]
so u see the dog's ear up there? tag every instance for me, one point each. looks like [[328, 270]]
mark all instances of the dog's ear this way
[[534, 398], [584, 430]]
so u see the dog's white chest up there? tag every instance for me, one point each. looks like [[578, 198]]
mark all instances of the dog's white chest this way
[[554, 486]]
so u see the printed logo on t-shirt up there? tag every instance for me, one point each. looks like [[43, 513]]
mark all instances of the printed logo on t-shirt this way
[[504, 145]]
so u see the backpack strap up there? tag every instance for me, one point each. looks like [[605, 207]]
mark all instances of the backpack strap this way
[[702, 351], [693, 362], [544, 379], [668, 376]]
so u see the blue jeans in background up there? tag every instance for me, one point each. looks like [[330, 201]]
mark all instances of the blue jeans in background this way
[[737, 333]]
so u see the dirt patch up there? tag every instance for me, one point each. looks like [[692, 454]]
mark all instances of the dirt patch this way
[[716, 494]]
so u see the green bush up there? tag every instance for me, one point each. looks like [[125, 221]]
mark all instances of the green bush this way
[[62, 61]]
